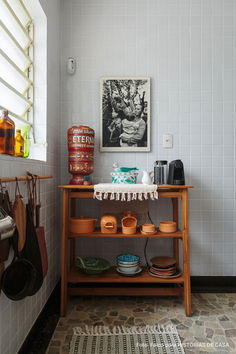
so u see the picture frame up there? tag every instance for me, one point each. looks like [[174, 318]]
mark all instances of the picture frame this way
[[124, 114]]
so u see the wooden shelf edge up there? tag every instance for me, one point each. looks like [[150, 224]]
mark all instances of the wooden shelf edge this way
[[125, 291], [112, 276], [177, 235], [91, 187]]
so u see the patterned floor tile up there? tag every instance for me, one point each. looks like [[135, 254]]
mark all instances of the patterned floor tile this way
[[210, 329]]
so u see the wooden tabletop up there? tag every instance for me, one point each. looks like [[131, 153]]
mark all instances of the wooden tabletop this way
[[91, 187]]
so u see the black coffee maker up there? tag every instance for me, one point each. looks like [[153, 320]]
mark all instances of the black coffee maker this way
[[176, 173]]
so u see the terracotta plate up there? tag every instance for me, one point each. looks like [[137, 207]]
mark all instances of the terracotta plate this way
[[163, 262], [148, 233], [163, 270], [166, 269], [158, 273], [166, 276]]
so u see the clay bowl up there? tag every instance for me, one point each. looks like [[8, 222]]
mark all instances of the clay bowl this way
[[167, 226], [82, 225], [129, 224], [148, 228]]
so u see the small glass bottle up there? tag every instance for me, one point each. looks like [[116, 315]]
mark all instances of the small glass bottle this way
[[25, 134], [7, 134], [19, 144]]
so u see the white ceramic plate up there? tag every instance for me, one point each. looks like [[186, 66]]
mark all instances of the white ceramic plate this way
[[129, 274]]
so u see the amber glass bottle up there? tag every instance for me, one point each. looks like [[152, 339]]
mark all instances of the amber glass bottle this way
[[19, 144], [7, 134]]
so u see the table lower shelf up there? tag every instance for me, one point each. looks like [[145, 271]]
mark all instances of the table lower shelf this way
[[111, 276], [88, 290]]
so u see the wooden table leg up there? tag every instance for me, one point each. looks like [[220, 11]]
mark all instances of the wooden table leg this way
[[64, 253], [176, 219], [72, 240], [185, 231]]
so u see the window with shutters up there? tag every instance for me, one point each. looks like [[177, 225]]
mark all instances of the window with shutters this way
[[18, 50]]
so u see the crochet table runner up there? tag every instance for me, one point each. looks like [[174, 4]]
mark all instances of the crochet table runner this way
[[125, 192]]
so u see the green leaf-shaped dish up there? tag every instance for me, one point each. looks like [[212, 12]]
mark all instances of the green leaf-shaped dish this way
[[92, 265]]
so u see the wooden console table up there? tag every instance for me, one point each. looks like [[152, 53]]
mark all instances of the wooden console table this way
[[71, 275]]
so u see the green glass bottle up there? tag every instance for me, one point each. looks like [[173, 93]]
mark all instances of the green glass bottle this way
[[25, 134]]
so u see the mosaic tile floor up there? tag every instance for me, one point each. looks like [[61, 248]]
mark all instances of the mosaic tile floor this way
[[211, 328]]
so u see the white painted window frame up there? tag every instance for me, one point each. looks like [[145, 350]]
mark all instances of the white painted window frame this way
[[27, 117]]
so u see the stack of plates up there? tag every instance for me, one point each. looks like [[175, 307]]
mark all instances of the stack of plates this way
[[128, 265], [164, 267]]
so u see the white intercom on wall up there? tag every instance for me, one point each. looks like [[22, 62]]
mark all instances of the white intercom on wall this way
[[71, 66]]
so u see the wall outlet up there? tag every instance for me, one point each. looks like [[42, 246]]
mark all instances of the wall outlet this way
[[167, 141]]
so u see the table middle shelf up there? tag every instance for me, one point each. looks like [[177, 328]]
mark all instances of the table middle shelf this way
[[98, 233]]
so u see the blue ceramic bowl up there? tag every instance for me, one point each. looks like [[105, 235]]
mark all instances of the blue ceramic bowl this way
[[127, 259]]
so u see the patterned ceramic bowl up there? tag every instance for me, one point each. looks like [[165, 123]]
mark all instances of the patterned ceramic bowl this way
[[131, 268], [124, 177], [128, 259]]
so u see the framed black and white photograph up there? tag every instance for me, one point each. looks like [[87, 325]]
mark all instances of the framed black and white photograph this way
[[125, 114]]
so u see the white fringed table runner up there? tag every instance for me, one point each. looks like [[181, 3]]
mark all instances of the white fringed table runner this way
[[125, 192]]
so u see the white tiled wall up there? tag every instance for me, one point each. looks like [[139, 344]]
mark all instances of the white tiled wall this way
[[17, 318], [187, 47]]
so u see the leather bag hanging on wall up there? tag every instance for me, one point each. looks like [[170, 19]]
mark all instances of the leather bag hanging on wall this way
[[31, 250], [40, 231], [19, 216], [6, 205], [31, 187]]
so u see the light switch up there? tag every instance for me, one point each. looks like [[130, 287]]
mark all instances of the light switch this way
[[167, 141]]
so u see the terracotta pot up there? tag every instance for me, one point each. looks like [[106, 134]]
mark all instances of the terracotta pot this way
[[108, 224], [82, 225], [148, 228], [129, 224], [167, 226], [81, 149]]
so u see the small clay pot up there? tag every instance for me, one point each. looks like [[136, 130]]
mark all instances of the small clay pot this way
[[108, 224], [167, 226], [129, 224], [148, 228], [82, 225]]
